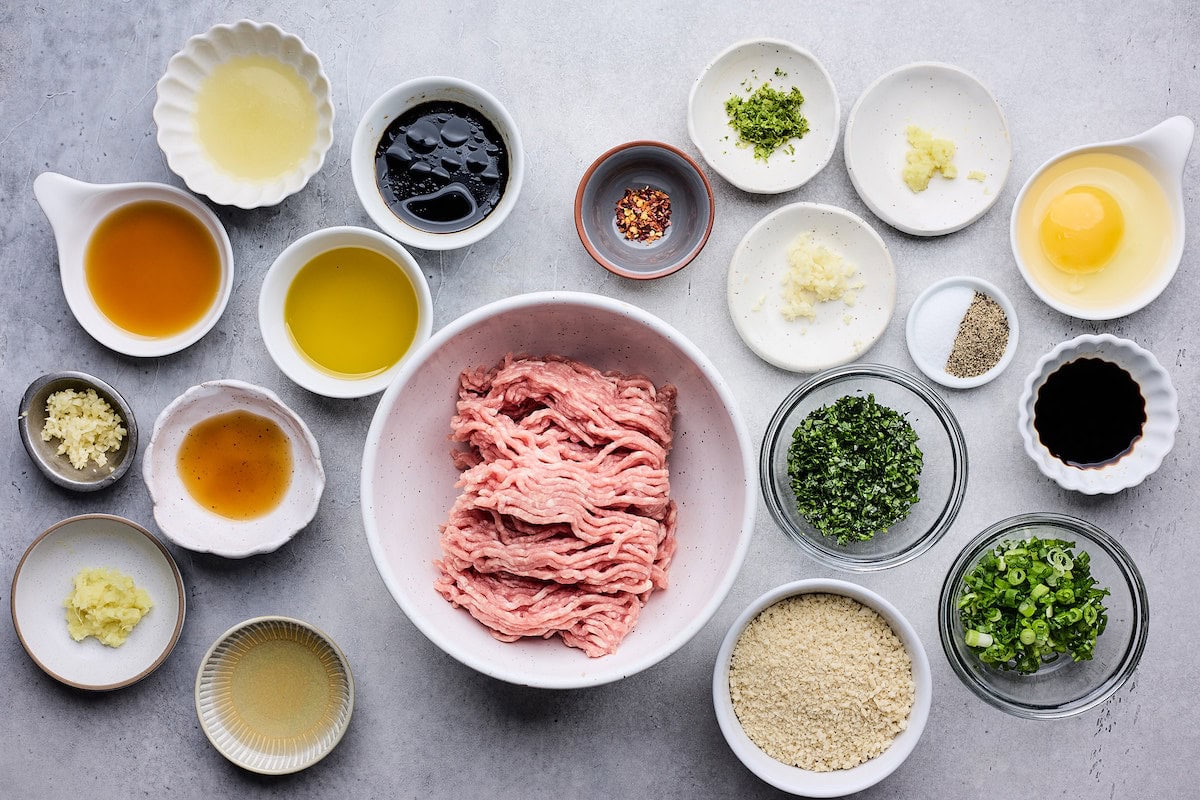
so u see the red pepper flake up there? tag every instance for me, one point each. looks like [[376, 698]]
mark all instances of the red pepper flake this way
[[643, 215]]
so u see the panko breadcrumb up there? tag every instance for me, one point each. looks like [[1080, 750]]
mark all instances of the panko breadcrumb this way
[[821, 682]]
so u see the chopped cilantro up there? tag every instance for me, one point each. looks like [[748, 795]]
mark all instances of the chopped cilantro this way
[[767, 119], [855, 468]]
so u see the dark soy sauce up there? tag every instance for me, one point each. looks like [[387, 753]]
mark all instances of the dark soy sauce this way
[[441, 166], [1089, 412]]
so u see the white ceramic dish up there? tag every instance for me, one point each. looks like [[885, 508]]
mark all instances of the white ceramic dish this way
[[838, 782], [188, 524], [933, 321], [950, 103], [75, 208], [175, 109], [746, 66], [272, 297], [1158, 433], [839, 333], [1163, 150], [711, 467], [396, 101], [237, 739], [45, 576]]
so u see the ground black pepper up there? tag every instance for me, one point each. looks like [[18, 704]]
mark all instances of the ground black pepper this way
[[981, 340]]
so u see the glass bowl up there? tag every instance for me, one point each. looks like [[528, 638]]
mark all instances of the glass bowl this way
[[943, 479], [1060, 688]]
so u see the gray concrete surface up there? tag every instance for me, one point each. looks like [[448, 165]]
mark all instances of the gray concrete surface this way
[[76, 93]]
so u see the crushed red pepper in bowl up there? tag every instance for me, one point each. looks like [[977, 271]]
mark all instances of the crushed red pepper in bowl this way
[[643, 215]]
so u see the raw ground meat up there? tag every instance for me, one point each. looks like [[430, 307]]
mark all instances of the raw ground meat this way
[[565, 524]]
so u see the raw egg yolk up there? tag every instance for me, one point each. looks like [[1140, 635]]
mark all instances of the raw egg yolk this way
[[1082, 229]]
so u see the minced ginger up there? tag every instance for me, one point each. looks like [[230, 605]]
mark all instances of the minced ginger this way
[[927, 155], [815, 274], [86, 424], [105, 604]]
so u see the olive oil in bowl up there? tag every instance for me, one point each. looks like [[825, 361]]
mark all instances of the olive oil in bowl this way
[[352, 312]]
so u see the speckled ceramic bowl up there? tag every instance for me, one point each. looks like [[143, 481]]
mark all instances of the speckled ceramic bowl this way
[[225, 722], [31, 420], [175, 112], [1158, 432], [188, 524], [950, 103], [408, 479], [635, 165]]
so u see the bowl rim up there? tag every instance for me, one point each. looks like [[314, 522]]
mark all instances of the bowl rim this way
[[747, 185], [272, 297], [341, 728], [306, 440], [216, 185], [362, 161], [1078, 528], [1170, 266], [805, 207], [941, 376], [882, 213], [180, 592], [1086, 481], [374, 439], [751, 756], [612, 266], [106, 392], [941, 410]]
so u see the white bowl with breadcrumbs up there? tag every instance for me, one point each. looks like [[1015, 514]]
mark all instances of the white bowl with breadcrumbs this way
[[769, 719]]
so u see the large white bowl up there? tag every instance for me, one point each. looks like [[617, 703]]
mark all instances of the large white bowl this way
[[393, 103], [408, 479], [272, 300], [175, 111], [838, 782]]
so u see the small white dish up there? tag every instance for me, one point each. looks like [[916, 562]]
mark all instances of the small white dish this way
[[175, 112], [75, 208], [1158, 432], [839, 333], [273, 296], [1163, 150], [742, 68], [396, 101], [45, 577], [951, 104], [836, 783], [188, 524], [237, 738], [932, 326]]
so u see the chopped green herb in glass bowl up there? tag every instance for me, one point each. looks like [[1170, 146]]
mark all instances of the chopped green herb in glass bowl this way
[[1043, 615], [839, 516]]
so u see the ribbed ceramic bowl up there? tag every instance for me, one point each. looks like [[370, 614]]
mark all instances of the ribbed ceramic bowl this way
[[408, 479], [187, 523], [835, 783], [175, 111], [224, 718], [1158, 433], [943, 480], [1062, 687]]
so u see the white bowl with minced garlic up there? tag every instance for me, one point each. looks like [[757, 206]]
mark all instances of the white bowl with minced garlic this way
[[822, 688]]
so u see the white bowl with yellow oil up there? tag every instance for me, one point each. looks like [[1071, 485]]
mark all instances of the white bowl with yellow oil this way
[[244, 114], [342, 308], [274, 695], [1097, 231]]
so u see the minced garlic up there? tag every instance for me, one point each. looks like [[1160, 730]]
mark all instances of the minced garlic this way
[[86, 424], [815, 274], [105, 604], [927, 155]]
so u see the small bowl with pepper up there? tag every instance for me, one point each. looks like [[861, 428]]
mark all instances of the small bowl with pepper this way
[[1043, 615], [644, 210], [962, 332], [864, 466]]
